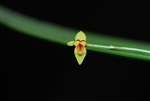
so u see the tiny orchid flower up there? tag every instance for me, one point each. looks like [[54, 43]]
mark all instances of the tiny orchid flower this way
[[79, 43]]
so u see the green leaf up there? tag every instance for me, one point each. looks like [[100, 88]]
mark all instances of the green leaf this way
[[62, 35]]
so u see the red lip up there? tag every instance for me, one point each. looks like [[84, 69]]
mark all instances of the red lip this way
[[80, 48]]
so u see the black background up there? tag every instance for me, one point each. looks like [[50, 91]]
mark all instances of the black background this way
[[34, 69]]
